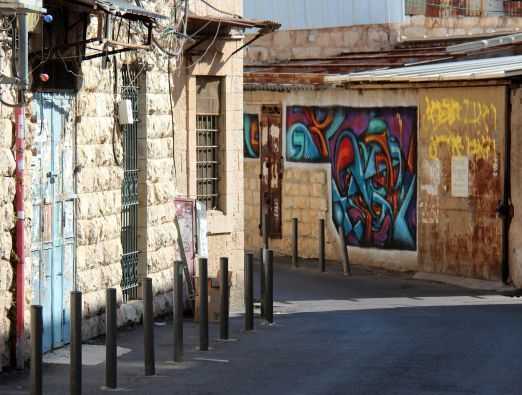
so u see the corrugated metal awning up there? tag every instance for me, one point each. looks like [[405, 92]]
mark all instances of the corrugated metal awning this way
[[482, 69], [123, 8]]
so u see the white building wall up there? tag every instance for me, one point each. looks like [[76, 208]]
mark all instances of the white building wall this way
[[309, 14]]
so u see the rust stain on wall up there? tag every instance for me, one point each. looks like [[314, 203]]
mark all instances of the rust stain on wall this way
[[461, 235]]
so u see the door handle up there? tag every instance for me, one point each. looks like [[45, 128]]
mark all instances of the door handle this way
[[51, 177]]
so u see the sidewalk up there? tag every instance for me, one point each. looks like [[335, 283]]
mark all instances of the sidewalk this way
[[373, 333]]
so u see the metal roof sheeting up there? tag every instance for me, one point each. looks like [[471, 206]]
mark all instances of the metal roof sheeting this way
[[482, 69]]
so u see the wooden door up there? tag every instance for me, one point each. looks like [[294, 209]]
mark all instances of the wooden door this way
[[271, 176], [53, 235]]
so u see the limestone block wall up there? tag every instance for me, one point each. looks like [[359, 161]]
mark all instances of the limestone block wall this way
[[319, 43], [7, 193], [308, 201], [98, 257], [419, 27]]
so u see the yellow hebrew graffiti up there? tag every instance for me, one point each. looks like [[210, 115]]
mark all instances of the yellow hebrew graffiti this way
[[448, 113], [463, 126]]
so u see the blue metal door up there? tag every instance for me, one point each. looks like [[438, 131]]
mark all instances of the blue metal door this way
[[53, 198]]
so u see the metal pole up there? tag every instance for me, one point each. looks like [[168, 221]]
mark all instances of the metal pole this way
[[224, 299], [76, 343], [249, 292], [148, 327], [346, 261], [23, 70], [178, 312], [36, 350], [203, 304], [322, 261], [269, 292], [295, 242], [264, 226], [111, 332], [262, 281]]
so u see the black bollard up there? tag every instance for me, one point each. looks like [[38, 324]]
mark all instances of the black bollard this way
[[269, 291], [295, 242], [322, 261], [249, 292], [262, 282], [76, 344], [111, 332], [203, 304], [36, 350], [178, 312], [224, 299], [346, 261], [148, 327]]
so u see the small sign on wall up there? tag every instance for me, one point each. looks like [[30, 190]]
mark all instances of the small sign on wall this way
[[460, 176]]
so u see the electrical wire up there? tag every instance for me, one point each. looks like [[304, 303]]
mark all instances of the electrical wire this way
[[208, 48], [173, 123]]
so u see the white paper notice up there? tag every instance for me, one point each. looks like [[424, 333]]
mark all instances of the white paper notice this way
[[460, 176]]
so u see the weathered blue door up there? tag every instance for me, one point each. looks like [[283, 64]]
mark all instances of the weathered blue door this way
[[53, 198]]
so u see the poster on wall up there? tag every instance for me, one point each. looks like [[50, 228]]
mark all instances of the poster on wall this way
[[460, 176], [251, 135], [372, 153], [202, 229]]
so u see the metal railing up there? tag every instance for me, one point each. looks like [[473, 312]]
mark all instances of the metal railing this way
[[449, 8]]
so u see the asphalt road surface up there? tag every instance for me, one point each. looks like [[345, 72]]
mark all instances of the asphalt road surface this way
[[374, 333]]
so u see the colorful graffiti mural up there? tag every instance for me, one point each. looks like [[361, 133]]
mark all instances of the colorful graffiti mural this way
[[373, 155], [251, 135]]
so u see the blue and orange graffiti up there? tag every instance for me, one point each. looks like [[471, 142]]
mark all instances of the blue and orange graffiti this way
[[251, 135], [372, 154]]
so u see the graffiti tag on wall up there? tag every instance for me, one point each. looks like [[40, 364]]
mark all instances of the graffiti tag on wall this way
[[373, 157], [251, 135], [467, 124]]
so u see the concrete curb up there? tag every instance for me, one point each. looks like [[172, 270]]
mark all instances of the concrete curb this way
[[464, 282]]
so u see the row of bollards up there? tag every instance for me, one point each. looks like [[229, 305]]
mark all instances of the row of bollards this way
[[111, 360]]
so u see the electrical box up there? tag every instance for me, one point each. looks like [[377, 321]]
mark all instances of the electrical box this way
[[10, 6], [125, 115]]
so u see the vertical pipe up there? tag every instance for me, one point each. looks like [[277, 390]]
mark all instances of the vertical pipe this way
[[111, 358], [20, 189], [344, 251], [322, 261], [224, 299], [262, 281], [269, 292], [178, 312], [203, 304], [148, 327], [249, 292], [76, 343], [36, 350], [295, 242], [506, 208]]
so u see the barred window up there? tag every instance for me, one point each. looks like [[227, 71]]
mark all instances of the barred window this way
[[208, 123]]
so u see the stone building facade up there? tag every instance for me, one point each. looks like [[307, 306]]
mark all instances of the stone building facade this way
[[165, 167]]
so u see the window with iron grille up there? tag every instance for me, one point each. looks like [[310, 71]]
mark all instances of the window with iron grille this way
[[129, 191], [208, 137]]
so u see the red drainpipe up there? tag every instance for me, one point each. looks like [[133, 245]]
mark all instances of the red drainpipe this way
[[20, 231]]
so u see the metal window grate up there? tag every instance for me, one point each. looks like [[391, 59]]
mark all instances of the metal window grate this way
[[129, 192], [207, 146]]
